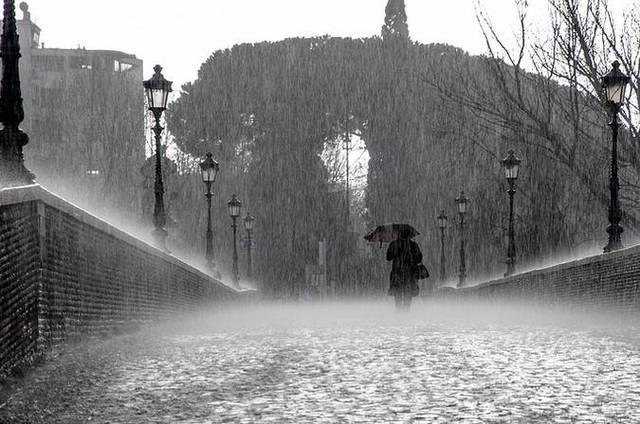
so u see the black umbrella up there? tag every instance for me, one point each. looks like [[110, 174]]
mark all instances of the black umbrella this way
[[389, 232]]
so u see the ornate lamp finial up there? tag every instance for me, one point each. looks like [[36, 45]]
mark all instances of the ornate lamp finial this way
[[12, 139]]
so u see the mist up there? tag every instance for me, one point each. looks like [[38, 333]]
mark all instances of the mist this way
[[355, 361], [353, 190]]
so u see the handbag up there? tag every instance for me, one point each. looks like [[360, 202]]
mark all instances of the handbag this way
[[421, 272]]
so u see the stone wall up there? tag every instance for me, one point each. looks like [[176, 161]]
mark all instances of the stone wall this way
[[19, 274], [608, 281], [65, 273]]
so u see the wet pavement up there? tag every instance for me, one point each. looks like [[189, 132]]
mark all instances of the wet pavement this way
[[345, 363]]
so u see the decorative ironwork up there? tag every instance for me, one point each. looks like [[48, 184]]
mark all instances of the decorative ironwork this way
[[234, 211], [614, 84], [511, 166], [462, 202], [12, 138], [157, 89]]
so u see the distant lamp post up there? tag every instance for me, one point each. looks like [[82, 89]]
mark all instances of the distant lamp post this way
[[157, 90], [442, 224], [209, 169], [614, 85], [234, 212], [511, 166], [12, 138], [248, 225], [462, 202], [93, 176]]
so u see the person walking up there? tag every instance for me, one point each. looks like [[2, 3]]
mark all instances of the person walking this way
[[406, 256]]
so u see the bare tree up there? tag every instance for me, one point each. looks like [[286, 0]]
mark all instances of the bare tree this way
[[543, 91]]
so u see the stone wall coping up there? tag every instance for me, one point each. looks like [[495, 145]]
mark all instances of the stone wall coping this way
[[635, 249], [35, 192]]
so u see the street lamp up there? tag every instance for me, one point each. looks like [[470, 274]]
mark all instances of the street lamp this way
[[93, 176], [157, 90], [511, 166], [614, 85], [248, 225], [209, 169], [442, 224], [234, 211], [462, 202], [12, 138]]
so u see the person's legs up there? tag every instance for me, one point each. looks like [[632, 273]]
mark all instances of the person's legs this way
[[403, 299], [393, 285]]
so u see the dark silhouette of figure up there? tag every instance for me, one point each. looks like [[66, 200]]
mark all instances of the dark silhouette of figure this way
[[406, 255]]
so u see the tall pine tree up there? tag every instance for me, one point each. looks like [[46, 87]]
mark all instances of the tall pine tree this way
[[395, 21]]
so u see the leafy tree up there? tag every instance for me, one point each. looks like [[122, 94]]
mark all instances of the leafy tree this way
[[269, 110]]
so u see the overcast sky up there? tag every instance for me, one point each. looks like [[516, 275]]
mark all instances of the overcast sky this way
[[181, 34]]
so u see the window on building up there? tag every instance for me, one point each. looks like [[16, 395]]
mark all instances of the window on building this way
[[80, 62], [119, 66]]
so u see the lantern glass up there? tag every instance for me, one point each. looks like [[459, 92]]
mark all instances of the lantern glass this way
[[234, 207], [511, 166], [157, 90], [442, 220], [462, 203], [512, 172], [209, 175], [615, 93], [615, 85], [158, 98], [248, 222], [209, 169]]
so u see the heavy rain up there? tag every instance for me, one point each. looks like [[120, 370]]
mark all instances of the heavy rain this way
[[352, 211]]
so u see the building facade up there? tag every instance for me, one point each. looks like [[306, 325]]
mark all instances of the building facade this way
[[84, 114]]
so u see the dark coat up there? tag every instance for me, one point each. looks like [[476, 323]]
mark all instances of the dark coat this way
[[405, 255]]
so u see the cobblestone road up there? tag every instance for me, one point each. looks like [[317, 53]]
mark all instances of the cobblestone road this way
[[345, 364]]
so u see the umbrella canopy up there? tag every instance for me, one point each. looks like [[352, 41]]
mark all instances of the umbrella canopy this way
[[389, 232]]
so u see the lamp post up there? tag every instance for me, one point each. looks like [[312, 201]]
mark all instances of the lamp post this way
[[614, 84], [442, 224], [347, 148], [209, 169], [157, 90], [511, 166], [93, 176], [248, 225], [462, 202], [12, 138], [234, 211]]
